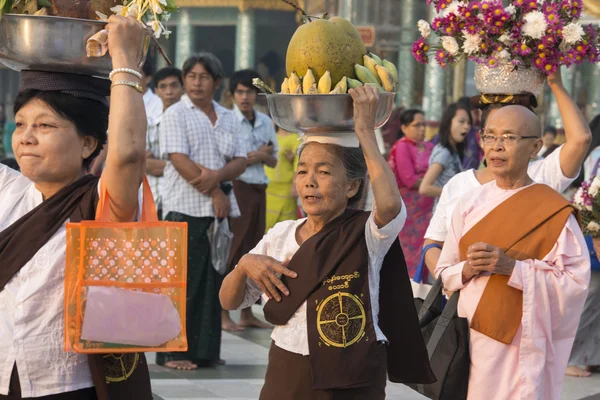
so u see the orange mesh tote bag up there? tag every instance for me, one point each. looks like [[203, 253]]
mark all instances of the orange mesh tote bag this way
[[125, 283]]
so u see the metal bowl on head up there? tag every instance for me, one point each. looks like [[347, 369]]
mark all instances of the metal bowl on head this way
[[322, 113], [53, 44]]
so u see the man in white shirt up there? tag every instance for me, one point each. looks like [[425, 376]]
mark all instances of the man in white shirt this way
[[558, 170], [169, 88], [203, 143], [258, 134]]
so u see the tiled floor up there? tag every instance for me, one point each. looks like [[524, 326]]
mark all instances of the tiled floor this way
[[242, 377]]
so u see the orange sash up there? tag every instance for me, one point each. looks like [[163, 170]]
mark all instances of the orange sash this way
[[525, 226]]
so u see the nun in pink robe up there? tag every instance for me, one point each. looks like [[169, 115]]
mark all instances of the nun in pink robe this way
[[554, 288]]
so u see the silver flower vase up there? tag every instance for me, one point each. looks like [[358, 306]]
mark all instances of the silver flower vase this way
[[507, 79]]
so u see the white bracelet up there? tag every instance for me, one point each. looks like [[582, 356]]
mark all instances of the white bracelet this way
[[125, 70]]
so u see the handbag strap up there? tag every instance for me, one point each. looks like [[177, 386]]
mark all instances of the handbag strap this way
[[434, 296], [148, 206], [442, 323], [418, 278]]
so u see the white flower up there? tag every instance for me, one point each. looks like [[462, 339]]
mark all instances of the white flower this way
[[572, 33], [593, 226], [505, 39], [471, 43], [158, 5], [504, 55], [424, 28], [451, 9], [595, 186], [510, 9], [450, 45], [126, 11], [101, 17], [535, 25]]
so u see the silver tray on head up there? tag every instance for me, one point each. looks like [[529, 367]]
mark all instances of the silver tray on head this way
[[322, 113], [53, 44]]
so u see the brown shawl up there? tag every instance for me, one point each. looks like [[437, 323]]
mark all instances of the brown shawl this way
[[332, 277], [22, 240], [526, 226]]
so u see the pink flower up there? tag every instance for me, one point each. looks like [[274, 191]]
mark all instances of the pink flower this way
[[419, 50], [522, 49], [443, 58]]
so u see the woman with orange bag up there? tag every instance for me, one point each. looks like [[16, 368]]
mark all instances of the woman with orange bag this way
[[62, 120]]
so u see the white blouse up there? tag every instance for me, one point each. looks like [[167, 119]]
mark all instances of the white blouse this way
[[280, 243], [31, 307]]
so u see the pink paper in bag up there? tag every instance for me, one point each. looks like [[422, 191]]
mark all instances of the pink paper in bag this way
[[114, 315]]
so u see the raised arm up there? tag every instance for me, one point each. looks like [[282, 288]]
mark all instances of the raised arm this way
[[428, 187], [125, 160], [577, 131], [383, 181]]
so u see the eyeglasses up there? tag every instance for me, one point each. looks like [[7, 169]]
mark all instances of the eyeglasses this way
[[508, 139], [417, 125]]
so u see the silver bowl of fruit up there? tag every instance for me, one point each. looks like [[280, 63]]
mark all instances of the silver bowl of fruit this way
[[312, 113], [54, 44]]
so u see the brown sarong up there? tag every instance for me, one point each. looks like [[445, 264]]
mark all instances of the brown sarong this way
[[526, 227], [248, 229], [289, 376]]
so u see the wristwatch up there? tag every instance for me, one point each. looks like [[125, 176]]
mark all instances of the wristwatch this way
[[226, 187]]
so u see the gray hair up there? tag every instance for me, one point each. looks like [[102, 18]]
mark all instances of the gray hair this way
[[353, 161], [208, 60]]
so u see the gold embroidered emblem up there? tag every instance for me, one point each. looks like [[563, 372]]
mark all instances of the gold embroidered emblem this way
[[341, 319], [119, 367]]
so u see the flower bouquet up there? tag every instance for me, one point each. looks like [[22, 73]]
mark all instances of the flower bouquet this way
[[587, 201], [527, 35]]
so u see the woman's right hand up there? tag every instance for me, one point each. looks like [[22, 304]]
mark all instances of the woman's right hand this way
[[125, 39], [262, 270]]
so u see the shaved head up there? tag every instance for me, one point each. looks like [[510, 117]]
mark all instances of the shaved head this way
[[517, 119]]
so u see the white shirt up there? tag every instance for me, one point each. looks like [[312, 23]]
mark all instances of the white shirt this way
[[31, 307], [154, 116], [547, 171], [153, 105], [254, 137], [280, 243], [187, 130]]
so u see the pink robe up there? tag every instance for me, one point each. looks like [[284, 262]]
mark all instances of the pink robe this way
[[409, 162], [554, 291]]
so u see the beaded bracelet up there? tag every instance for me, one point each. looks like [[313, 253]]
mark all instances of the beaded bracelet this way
[[125, 70], [134, 85]]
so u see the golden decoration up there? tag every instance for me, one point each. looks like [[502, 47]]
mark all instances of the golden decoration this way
[[119, 367], [341, 319]]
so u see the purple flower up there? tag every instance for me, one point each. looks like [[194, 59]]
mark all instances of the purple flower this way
[[419, 51]]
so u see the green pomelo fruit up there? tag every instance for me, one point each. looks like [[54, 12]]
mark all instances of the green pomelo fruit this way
[[332, 45]]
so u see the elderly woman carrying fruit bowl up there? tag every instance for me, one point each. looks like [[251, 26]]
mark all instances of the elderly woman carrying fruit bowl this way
[[335, 282], [62, 120]]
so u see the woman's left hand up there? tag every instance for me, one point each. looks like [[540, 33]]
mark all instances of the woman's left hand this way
[[482, 257], [366, 101], [125, 39]]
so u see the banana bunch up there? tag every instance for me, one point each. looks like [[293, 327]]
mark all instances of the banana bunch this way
[[308, 84], [376, 72]]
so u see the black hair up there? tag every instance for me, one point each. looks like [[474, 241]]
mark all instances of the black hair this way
[[408, 116], [167, 72], [353, 161], [550, 129], [208, 60], [148, 67], [243, 77], [446, 127], [464, 102], [89, 116]]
